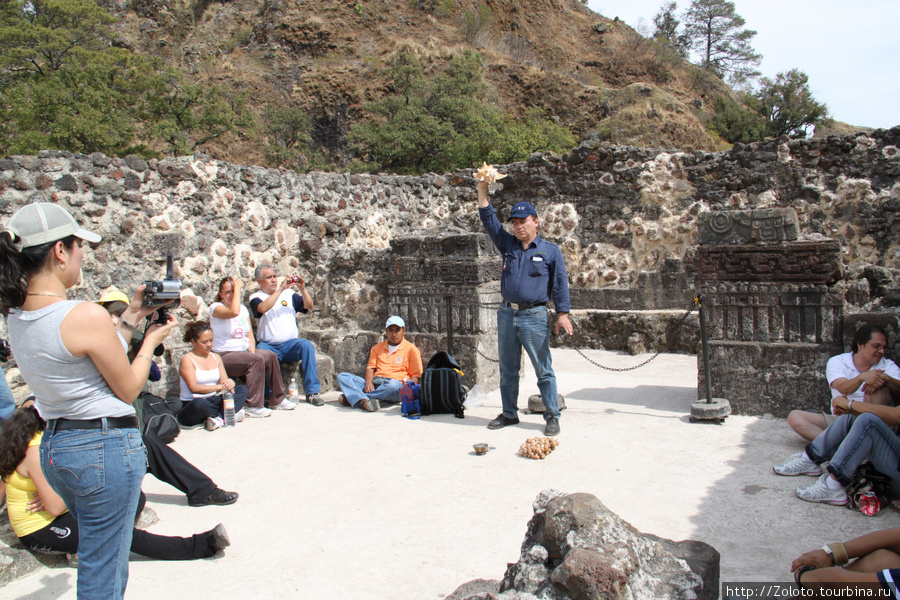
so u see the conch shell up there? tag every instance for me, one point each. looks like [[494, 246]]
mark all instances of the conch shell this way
[[487, 173]]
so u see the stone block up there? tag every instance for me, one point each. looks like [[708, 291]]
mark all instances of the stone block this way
[[736, 227], [325, 369], [758, 312], [774, 379], [796, 262]]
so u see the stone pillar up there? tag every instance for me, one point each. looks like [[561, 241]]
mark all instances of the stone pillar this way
[[775, 310], [424, 270]]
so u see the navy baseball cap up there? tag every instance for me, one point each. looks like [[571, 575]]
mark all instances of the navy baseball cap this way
[[522, 210]]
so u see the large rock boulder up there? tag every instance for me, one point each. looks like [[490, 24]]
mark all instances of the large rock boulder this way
[[576, 549]]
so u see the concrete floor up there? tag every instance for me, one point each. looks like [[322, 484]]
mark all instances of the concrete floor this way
[[337, 503]]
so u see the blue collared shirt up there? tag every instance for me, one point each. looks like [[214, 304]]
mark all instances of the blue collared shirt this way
[[530, 275]]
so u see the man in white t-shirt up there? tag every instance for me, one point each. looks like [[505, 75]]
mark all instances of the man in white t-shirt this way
[[275, 306], [862, 375]]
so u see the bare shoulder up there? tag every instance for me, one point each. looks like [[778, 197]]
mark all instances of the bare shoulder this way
[[91, 311]]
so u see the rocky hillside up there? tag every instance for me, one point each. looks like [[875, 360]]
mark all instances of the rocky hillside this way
[[597, 76]]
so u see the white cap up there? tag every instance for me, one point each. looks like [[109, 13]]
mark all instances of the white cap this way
[[395, 321], [42, 223]]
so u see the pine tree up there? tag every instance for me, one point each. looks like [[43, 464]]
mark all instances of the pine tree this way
[[717, 33]]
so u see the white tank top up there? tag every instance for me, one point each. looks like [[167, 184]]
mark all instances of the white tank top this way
[[204, 377]]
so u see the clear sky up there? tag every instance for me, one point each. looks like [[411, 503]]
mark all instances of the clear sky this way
[[849, 50]]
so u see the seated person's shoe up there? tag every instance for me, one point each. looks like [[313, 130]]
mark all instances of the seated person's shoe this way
[[284, 405], [500, 422], [213, 423], [218, 497], [315, 400], [797, 465], [342, 400], [218, 538], [552, 426], [819, 492], [370, 405], [257, 412]]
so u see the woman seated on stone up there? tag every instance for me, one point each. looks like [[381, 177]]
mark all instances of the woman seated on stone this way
[[862, 432], [42, 522], [233, 340], [877, 566], [204, 381]]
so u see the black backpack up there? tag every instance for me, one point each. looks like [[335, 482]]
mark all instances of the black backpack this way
[[441, 389], [158, 417]]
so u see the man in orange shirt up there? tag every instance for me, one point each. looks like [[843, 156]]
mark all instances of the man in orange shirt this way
[[392, 363]]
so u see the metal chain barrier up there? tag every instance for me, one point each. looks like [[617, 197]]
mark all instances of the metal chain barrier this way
[[638, 366], [578, 350]]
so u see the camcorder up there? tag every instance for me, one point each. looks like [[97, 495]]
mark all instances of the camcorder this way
[[5, 350], [163, 295]]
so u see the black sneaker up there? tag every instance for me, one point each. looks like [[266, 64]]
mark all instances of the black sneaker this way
[[342, 400], [218, 497], [315, 400], [552, 426], [218, 538], [500, 422]]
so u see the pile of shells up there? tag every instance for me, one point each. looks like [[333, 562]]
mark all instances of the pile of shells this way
[[538, 447]]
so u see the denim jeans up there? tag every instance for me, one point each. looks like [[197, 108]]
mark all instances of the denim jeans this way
[[302, 351], [850, 441], [98, 473], [529, 329], [385, 389], [7, 400]]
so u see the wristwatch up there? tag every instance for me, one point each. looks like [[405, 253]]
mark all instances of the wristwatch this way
[[829, 552], [849, 403]]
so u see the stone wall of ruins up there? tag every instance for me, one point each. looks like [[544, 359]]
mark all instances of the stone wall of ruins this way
[[626, 219]]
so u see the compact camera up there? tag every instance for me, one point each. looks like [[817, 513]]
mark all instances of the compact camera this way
[[294, 280], [163, 295]]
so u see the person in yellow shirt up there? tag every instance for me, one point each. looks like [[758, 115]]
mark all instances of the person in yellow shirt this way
[[392, 363], [42, 522]]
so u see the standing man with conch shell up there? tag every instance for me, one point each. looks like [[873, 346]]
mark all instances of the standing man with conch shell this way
[[533, 274]]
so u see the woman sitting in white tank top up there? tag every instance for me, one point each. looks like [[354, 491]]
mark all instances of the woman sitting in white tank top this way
[[204, 381]]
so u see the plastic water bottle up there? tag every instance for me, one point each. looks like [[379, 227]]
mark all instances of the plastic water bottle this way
[[228, 404], [293, 390]]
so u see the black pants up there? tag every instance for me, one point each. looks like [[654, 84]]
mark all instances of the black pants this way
[[61, 536], [198, 410], [170, 467]]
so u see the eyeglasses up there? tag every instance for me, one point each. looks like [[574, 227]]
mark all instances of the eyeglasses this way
[[876, 346]]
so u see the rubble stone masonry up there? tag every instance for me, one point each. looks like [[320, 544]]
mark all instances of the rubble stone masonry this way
[[626, 219]]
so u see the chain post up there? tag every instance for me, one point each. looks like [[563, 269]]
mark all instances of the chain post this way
[[704, 342]]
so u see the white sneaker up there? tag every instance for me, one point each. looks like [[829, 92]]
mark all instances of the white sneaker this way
[[213, 423], [257, 413], [797, 465], [819, 492], [285, 405], [239, 416]]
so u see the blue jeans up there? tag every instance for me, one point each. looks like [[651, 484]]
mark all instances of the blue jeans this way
[[353, 385], [850, 441], [529, 329], [7, 400], [98, 473], [302, 351]]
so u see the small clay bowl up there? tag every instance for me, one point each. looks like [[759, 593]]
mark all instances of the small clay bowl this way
[[480, 449]]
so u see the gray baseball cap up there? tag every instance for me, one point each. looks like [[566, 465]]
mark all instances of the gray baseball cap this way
[[43, 222]]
